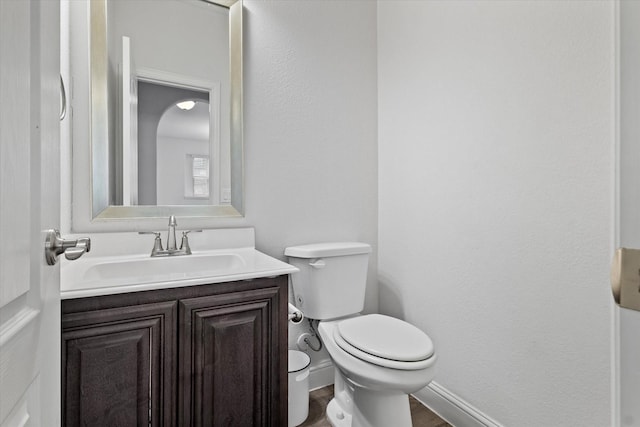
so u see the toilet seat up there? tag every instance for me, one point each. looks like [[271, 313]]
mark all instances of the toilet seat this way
[[385, 341]]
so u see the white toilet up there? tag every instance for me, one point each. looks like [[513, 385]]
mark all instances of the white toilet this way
[[379, 359]]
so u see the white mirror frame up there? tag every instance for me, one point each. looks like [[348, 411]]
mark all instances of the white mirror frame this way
[[91, 210]]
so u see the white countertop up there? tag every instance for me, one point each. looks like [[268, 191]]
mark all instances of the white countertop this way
[[117, 264]]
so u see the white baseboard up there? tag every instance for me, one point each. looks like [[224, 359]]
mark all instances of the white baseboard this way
[[320, 375], [452, 408]]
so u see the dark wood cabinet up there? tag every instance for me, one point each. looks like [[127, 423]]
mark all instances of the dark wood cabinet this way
[[116, 365], [209, 355]]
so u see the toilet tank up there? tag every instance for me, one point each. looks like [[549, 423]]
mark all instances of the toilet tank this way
[[332, 278]]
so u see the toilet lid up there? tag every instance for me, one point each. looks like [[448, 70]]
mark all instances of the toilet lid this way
[[386, 337]]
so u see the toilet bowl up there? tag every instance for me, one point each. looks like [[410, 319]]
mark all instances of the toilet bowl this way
[[379, 360], [366, 393]]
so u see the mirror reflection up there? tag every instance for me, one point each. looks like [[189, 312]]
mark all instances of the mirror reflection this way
[[179, 157], [169, 72]]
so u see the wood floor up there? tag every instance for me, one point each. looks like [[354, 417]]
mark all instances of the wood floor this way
[[318, 400]]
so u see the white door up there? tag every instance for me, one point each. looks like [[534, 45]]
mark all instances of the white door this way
[[629, 207], [29, 204]]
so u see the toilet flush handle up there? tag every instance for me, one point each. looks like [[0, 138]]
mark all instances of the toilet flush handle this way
[[319, 263]]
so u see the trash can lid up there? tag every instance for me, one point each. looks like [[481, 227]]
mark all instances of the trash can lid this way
[[298, 361]]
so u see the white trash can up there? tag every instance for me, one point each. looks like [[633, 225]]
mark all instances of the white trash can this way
[[298, 387]]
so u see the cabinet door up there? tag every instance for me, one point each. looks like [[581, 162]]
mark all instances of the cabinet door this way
[[116, 366], [229, 360]]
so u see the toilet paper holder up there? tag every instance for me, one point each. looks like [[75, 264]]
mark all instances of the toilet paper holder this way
[[295, 315]]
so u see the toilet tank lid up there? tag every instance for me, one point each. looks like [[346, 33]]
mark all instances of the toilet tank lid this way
[[320, 250]]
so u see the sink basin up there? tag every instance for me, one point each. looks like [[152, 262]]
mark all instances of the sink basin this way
[[164, 268], [120, 263]]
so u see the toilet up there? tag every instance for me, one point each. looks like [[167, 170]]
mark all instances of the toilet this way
[[379, 359]]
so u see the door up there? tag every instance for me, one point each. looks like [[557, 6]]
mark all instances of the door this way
[[29, 204], [629, 205]]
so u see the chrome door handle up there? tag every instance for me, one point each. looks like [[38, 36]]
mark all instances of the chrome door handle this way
[[55, 245]]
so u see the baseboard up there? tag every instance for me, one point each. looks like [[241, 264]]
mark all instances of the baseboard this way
[[452, 408], [320, 375]]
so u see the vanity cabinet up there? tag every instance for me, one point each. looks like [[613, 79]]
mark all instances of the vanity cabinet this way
[[207, 355]]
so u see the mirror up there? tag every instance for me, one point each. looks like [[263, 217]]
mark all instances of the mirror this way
[[165, 84]]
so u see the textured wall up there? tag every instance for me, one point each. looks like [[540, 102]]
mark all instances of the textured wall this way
[[495, 199], [310, 122], [310, 126]]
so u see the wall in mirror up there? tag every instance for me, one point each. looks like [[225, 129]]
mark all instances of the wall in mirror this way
[[165, 90]]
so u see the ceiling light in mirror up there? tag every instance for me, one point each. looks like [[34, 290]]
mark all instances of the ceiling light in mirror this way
[[186, 105]]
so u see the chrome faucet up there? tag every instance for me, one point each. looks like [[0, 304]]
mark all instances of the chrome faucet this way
[[172, 249], [171, 234]]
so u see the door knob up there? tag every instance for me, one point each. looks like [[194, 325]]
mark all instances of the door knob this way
[[625, 278], [55, 245]]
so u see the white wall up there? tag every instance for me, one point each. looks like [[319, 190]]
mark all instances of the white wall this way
[[310, 126], [310, 122], [495, 200]]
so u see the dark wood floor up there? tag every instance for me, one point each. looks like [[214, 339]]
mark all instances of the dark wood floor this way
[[318, 400]]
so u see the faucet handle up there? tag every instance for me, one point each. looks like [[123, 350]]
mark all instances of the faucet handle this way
[[157, 243], [185, 232], [157, 233], [184, 244]]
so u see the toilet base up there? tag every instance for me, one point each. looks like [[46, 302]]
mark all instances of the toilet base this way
[[355, 406], [336, 416]]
